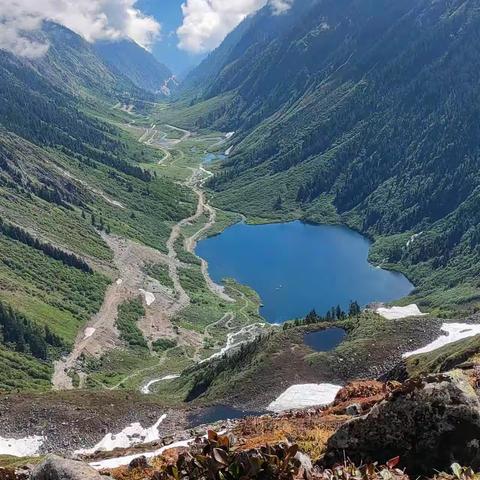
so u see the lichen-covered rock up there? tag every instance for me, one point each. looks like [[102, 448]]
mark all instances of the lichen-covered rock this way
[[56, 468], [429, 423], [364, 394], [353, 410]]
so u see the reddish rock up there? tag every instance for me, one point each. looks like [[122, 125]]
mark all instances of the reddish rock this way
[[364, 394], [359, 389], [429, 423]]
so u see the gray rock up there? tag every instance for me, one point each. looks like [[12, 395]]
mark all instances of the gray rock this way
[[353, 410], [139, 462], [56, 468], [429, 423], [305, 464]]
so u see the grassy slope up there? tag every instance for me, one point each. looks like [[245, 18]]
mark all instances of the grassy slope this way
[[458, 354], [132, 368], [45, 290], [257, 376], [64, 176], [22, 372]]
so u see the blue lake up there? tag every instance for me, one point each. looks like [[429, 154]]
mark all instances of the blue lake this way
[[296, 267]]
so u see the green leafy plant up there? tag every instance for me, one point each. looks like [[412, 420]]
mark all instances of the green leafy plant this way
[[463, 473], [215, 458]]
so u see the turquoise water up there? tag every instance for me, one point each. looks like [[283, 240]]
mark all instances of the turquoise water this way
[[295, 267], [325, 340], [210, 157]]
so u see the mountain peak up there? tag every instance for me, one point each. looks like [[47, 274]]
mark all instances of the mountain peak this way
[[136, 63]]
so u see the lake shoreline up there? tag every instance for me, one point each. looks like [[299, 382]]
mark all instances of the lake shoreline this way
[[257, 220], [392, 276]]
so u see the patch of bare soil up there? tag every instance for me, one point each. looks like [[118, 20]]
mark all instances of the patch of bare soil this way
[[72, 420], [100, 335]]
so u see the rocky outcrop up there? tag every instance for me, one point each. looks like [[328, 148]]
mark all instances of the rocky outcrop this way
[[359, 389], [359, 396], [56, 468], [429, 423]]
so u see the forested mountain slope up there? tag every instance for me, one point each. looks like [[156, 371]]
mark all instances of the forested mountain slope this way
[[45, 99], [71, 63], [67, 176], [364, 112], [135, 63]]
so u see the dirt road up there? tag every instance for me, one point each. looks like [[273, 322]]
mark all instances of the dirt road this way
[[161, 304], [100, 334]]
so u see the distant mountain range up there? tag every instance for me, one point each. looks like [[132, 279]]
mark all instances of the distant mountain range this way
[[137, 64], [360, 112]]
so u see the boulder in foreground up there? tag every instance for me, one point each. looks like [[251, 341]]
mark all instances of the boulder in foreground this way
[[430, 423], [56, 468]]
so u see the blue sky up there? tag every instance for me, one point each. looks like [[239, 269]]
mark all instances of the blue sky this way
[[169, 14], [199, 27], [186, 34]]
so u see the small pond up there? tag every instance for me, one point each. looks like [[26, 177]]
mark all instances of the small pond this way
[[217, 413], [325, 340]]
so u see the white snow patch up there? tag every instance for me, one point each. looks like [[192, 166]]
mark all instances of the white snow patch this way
[[229, 135], [119, 281], [120, 461], [146, 388], [395, 313], [454, 333], [89, 332], [413, 238], [228, 151], [302, 396], [23, 447], [149, 297], [129, 436], [237, 339]]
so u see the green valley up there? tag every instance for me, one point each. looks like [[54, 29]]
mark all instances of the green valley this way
[[89, 195], [361, 114], [265, 267]]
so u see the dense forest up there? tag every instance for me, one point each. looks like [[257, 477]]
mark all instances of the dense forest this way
[[23, 336], [26, 238], [39, 100]]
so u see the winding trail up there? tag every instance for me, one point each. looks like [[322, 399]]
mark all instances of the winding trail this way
[[100, 335], [146, 389], [190, 243], [186, 134], [195, 183], [139, 372]]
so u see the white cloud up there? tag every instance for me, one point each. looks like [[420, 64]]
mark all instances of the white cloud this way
[[92, 19], [13, 25], [207, 22], [281, 6]]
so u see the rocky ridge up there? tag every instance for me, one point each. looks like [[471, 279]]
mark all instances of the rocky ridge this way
[[421, 426]]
